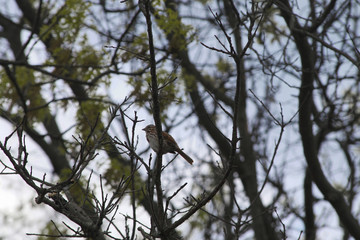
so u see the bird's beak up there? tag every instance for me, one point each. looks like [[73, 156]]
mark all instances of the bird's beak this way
[[143, 129]]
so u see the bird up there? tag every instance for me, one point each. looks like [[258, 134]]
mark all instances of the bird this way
[[169, 143]]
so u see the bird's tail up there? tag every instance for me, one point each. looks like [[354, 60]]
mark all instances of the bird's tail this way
[[185, 156]]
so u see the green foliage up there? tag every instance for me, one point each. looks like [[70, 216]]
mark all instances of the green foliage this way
[[88, 118], [88, 61], [224, 66], [116, 171], [77, 189], [51, 230], [82, 63], [67, 22], [180, 34], [30, 91], [7, 91], [269, 26], [62, 33], [189, 79], [204, 2], [65, 174], [169, 89], [137, 49]]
